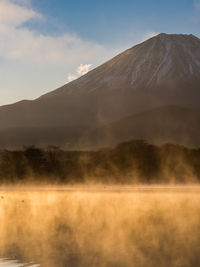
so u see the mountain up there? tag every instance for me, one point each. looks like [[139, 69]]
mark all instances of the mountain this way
[[162, 71], [168, 124]]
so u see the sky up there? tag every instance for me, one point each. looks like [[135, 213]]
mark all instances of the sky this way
[[45, 44]]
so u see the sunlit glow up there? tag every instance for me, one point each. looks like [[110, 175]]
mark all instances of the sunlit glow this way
[[139, 226]]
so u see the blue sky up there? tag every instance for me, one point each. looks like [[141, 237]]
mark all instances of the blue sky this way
[[118, 21], [46, 43]]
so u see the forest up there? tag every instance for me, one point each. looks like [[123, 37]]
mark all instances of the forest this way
[[131, 162]]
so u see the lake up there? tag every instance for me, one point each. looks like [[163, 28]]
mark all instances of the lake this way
[[100, 226]]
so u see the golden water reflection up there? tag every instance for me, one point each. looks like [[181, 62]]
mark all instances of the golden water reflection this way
[[101, 226]]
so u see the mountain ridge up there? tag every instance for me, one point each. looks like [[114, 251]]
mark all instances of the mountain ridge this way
[[183, 41]]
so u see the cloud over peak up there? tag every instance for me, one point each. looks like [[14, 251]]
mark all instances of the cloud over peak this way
[[81, 70]]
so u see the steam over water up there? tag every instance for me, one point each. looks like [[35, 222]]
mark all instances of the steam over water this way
[[111, 226]]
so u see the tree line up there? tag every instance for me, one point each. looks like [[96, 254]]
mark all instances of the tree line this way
[[129, 162]]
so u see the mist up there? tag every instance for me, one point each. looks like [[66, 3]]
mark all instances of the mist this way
[[133, 162], [149, 226]]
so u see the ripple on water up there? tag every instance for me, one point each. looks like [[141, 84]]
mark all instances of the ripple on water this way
[[6, 262]]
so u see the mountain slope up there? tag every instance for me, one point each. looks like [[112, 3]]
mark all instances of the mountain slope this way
[[169, 124], [159, 61], [164, 70]]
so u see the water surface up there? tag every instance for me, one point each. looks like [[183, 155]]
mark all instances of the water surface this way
[[100, 226]]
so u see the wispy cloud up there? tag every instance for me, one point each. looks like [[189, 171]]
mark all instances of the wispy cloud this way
[[81, 70], [39, 62], [22, 44], [15, 13]]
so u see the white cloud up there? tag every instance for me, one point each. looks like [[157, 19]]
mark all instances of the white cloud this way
[[22, 44], [26, 46], [14, 14], [32, 63], [71, 77], [81, 70]]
